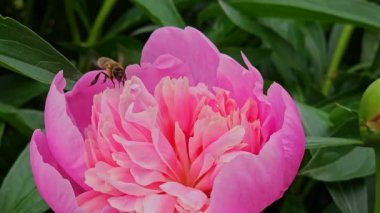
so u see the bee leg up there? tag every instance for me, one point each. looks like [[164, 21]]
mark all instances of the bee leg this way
[[95, 79], [124, 79], [105, 77], [113, 82]]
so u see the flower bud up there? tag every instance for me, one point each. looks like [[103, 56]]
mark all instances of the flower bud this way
[[369, 114]]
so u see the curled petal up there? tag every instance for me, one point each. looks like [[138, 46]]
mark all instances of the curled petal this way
[[64, 139], [80, 98], [236, 79], [56, 191], [293, 137]]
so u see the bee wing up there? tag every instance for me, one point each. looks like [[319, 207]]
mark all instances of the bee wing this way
[[103, 61], [121, 59]]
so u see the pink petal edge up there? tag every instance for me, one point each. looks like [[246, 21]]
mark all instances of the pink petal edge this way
[[188, 45], [56, 191], [256, 181], [64, 139]]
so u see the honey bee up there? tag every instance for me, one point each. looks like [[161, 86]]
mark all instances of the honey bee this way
[[113, 70]]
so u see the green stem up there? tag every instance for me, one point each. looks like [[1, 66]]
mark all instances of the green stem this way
[[377, 190], [337, 57], [99, 21], [71, 19]]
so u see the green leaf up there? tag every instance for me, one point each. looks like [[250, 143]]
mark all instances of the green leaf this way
[[144, 29], [282, 47], [360, 13], [130, 18], [315, 121], [349, 196], [24, 120], [370, 43], [23, 89], [164, 13], [316, 47], [340, 164], [18, 192], [323, 142], [332, 208], [23, 51]]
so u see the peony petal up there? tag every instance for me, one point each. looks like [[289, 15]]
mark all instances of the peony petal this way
[[190, 198], [92, 201], [80, 99], [249, 182], [64, 139], [293, 136], [98, 178], [224, 143], [56, 191], [188, 45], [164, 65], [124, 203], [236, 79], [146, 177], [142, 154], [159, 203], [165, 151], [256, 181]]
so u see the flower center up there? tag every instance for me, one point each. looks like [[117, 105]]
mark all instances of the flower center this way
[[171, 142]]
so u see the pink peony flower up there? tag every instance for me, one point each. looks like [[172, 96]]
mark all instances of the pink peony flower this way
[[190, 131]]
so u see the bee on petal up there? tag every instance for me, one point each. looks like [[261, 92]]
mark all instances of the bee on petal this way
[[112, 70]]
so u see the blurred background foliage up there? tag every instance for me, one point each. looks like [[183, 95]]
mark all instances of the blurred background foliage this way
[[325, 53]]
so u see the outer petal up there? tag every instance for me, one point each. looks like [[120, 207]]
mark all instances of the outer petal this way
[[238, 80], [56, 191], [256, 181], [80, 99], [64, 139], [188, 45], [293, 136]]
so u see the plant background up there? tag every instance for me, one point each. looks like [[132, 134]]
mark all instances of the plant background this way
[[325, 53]]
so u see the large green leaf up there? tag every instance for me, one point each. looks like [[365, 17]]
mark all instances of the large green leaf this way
[[23, 89], [23, 51], [163, 13], [361, 13], [18, 192], [349, 196], [128, 19], [340, 164], [281, 46], [323, 142], [315, 121], [24, 120]]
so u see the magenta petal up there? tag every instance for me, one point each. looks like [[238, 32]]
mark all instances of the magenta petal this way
[[56, 191], [188, 45], [80, 99], [249, 183], [256, 181], [236, 79], [155, 203], [293, 137], [64, 139]]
